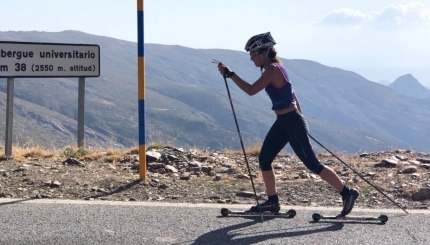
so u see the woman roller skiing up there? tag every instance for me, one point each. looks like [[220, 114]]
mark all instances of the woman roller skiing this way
[[289, 127]]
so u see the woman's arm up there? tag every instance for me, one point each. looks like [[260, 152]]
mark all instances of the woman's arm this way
[[250, 89]]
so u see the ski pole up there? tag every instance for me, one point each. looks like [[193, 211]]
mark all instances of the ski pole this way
[[368, 182], [241, 142]]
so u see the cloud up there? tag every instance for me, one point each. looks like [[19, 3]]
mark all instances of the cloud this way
[[344, 17], [394, 16]]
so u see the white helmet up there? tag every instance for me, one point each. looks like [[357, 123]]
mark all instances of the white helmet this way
[[264, 40]]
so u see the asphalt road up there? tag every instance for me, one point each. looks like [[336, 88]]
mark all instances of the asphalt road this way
[[102, 222]]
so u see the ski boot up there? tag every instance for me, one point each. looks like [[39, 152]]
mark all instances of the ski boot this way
[[267, 206], [348, 202]]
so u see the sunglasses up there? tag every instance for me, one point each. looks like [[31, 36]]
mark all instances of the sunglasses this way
[[253, 53]]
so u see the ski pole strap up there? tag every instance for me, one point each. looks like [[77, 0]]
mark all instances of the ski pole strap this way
[[228, 73]]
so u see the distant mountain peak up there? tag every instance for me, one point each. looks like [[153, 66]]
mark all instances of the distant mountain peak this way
[[407, 75], [408, 85], [406, 78]]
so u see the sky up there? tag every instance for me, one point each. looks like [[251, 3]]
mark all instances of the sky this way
[[380, 40]]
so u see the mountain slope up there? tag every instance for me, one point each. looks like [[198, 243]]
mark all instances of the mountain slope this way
[[187, 102]]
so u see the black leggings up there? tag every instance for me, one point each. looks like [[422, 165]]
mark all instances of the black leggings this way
[[290, 127]]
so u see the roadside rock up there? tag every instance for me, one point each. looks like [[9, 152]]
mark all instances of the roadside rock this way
[[422, 194], [408, 170], [388, 163], [424, 160], [152, 156], [245, 194], [73, 161]]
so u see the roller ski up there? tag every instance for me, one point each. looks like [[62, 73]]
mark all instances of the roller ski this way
[[288, 214], [348, 204], [382, 218], [267, 208]]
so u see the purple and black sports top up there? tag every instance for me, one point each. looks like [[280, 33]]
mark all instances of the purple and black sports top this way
[[282, 97]]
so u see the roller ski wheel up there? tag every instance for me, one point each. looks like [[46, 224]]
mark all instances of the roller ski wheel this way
[[316, 217], [288, 214], [382, 218], [224, 212]]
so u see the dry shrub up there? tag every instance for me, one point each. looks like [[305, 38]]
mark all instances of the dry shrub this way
[[19, 153], [93, 156], [253, 150], [410, 190], [132, 151], [154, 146], [113, 158]]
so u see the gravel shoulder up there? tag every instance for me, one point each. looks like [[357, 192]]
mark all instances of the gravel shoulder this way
[[192, 176]]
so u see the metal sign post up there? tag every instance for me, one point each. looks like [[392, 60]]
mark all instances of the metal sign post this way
[[31, 59], [141, 89], [9, 116], [81, 99]]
